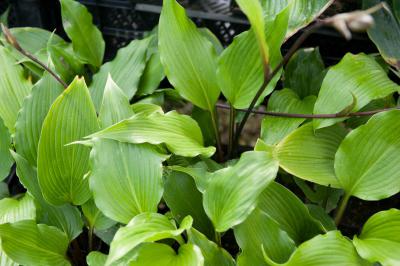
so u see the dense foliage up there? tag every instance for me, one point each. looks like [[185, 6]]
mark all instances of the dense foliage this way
[[112, 178]]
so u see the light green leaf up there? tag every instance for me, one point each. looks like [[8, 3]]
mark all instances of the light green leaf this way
[[180, 133], [145, 227], [33, 112], [4, 193], [125, 69], [66, 217], [96, 258], [213, 39], [14, 210], [127, 183], [95, 218], [358, 76], [187, 254], [6, 160], [146, 108], [367, 163], [61, 168], [189, 58], [385, 33], [304, 72], [5, 260], [232, 193], [274, 129], [13, 88], [310, 155], [183, 198], [259, 232], [86, 38], [213, 254], [289, 212], [331, 249], [28, 243], [380, 239]]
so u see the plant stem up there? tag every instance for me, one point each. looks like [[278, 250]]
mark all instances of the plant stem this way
[[218, 238], [13, 41], [232, 115], [269, 76], [217, 135], [90, 236], [314, 116], [342, 208]]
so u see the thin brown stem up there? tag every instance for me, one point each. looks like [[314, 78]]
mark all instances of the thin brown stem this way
[[13, 42], [269, 76], [313, 116]]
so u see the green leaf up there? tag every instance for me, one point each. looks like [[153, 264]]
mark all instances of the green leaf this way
[[146, 108], [28, 243], [304, 72], [189, 58], [86, 38], [385, 33], [358, 76], [95, 218], [13, 88], [14, 210], [96, 258], [319, 252], [183, 198], [5, 260], [125, 69], [254, 13], [322, 216], [61, 168], [213, 254], [367, 163], [180, 133], [259, 232], [6, 160], [4, 20], [33, 112], [289, 213], [66, 217], [145, 227], [187, 254], [310, 155], [232, 193], [379, 240], [274, 129], [4, 193]]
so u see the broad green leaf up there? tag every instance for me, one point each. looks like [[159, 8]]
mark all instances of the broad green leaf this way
[[310, 155], [61, 168], [188, 57], [6, 160], [28, 243], [146, 108], [304, 72], [213, 254], [289, 212], [14, 210], [179, 133], [86, 38], [254, 13], [125, 69], [4, 193], [356, 76], [33, 112], [127, 183], [95, 218], [331, 249], [385, 32], [13, 89], [367, 163], [187, 254], [213, 39], [274, 129], [203, 118], [108, 234], [379, 240], [5, 260], [232, 192], [321, 215], [96, 258], [66, 217], [259, 232], [183, 198], [145, 227]]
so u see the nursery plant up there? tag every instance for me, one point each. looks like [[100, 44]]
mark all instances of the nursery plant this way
[[102, 165]]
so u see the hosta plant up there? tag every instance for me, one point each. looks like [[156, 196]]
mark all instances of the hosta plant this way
[[122, 163]]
